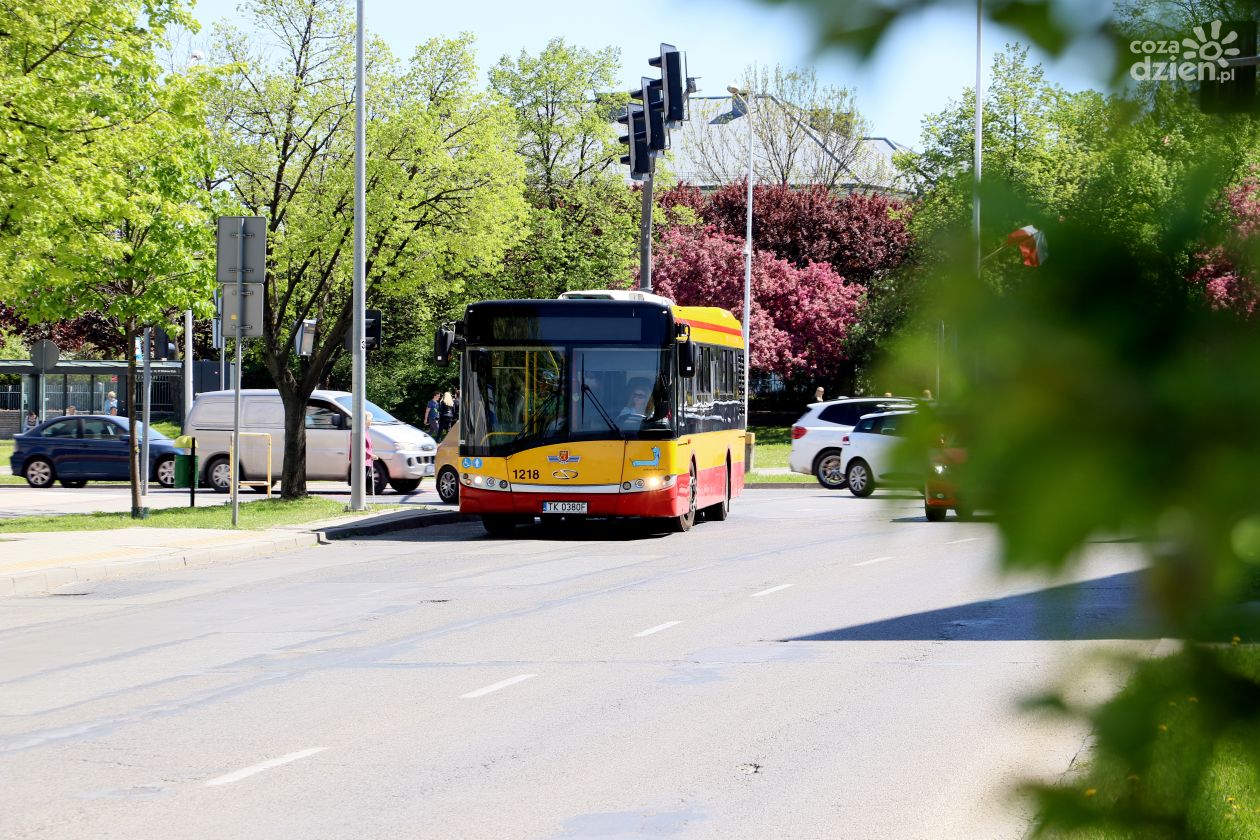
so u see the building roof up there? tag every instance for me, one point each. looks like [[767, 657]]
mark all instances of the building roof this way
[[711, 148]]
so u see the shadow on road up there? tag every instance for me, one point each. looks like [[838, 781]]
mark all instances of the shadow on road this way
[[597, 530], [1106, 608]]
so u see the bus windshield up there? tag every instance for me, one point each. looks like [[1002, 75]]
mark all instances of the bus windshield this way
[[519, 397]]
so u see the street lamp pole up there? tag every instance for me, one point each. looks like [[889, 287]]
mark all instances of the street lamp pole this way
[[746, 96], [358, 351]]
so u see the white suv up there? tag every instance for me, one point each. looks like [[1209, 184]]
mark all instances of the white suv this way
[[870, 453], [818, 435]]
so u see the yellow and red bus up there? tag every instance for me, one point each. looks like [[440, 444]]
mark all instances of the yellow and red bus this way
[[598, 404]]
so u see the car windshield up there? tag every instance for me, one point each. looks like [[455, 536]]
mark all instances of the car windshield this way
[[516, 398], [380, 417]]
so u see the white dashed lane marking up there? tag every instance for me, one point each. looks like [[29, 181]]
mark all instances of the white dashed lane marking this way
[[869, 562], [658, 628], [246, 772], [771, 589], [482, 692]]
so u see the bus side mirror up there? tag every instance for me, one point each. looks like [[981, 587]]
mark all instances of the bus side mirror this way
[[443, 344], [686, 360]]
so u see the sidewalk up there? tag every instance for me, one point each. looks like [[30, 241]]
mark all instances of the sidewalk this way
[[32, 563]]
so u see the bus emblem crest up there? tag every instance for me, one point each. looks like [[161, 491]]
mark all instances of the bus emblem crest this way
[[564, 458]]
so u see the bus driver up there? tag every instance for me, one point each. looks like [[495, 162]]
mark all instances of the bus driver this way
[[635, 411]]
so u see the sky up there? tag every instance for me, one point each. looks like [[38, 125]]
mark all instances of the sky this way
[[928, 59]]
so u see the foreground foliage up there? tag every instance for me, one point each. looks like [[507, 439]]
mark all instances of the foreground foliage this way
[[1103, 393]]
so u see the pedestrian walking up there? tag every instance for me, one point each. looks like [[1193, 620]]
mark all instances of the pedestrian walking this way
[[446, 414], [431, 412], [32, 420]]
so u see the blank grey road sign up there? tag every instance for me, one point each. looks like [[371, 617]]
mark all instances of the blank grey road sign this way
[[252, 320], [228, 244], [44, 355]]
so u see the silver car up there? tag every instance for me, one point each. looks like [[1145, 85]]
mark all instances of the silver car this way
[[403, 455]]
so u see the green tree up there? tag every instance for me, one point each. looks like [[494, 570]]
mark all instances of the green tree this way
[[137, 259], [582, 221], [101, 214], [1039, 140], [443, 181], [61, 114]]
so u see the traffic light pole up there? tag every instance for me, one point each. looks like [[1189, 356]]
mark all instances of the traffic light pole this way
[[645, 237]]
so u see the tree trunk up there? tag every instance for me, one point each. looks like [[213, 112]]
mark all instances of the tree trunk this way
[[293, 473], [133, 440]]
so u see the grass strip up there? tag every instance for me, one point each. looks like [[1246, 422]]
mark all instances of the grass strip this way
[[265, 513], [778, 478], [1193, 766], [773, 446]]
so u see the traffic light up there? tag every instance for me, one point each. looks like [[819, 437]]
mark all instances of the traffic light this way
[[639, 157], [675, 85], [371, 331], [652, 96], [161, 347]]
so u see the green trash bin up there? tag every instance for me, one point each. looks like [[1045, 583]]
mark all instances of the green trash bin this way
[[185, 470], [185, 463]]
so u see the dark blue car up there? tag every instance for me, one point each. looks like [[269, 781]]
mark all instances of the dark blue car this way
[[87, 447]]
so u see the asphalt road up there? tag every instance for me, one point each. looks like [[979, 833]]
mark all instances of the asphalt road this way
[[818, 666]]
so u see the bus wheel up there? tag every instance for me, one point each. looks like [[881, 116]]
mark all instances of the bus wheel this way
[[683, 523], [498, 524], [719, 512]]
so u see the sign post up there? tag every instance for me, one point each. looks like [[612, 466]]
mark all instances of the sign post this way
[[147, 377], [242, 254], [44, 356]]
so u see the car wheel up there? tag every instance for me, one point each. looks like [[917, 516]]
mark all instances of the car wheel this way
[[858, 477], [409, 485], [380, 477], [935, 514], [498, 524], [683, 523], [219, 471], [165, 471], [74, 483], [829, 469], [448, 485], [39, 472]]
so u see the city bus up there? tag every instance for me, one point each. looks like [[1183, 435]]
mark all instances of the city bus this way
[[598, 404]]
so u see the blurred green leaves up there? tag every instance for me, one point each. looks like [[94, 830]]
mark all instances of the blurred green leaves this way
[[1102, 395]]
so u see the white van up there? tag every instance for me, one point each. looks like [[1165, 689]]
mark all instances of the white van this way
[[404, 454]]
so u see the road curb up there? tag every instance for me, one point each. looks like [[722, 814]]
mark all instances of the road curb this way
[[269, 543], [46, 580], [782, 485], [402, 520]]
